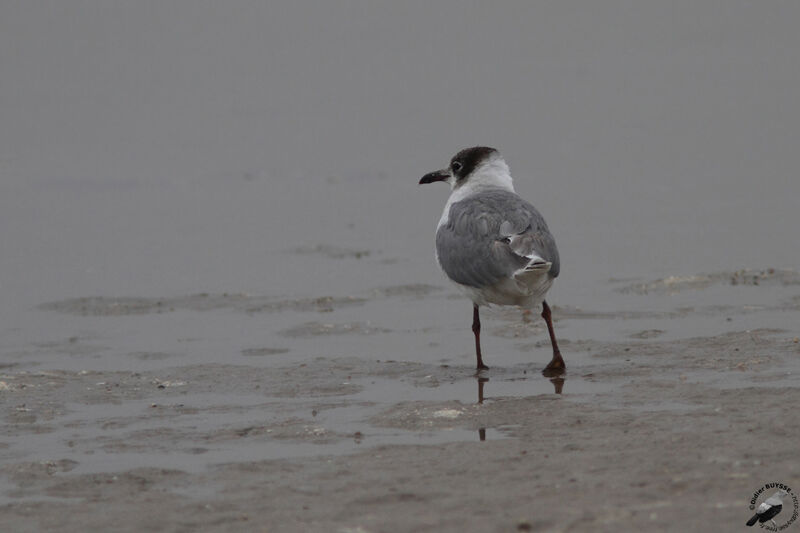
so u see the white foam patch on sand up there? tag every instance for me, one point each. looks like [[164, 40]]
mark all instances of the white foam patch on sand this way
[[447, 413]]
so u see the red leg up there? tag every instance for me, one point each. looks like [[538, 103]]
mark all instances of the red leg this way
[[556, 365], [476, 329]]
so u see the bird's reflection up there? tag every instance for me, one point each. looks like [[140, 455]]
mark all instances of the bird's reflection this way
[[558, 388], [481, 382], [557, 381]]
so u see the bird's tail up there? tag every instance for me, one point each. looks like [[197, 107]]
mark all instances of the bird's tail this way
[[753, 520]]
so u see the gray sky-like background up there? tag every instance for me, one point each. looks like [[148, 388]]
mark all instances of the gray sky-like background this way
[[164, 147]]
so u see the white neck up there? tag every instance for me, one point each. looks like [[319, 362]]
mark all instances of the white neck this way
[[491, 174]]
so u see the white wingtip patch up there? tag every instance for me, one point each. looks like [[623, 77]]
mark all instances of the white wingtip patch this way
[[538, 264]]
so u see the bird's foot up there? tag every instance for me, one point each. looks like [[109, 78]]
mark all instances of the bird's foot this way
[[556, 367]]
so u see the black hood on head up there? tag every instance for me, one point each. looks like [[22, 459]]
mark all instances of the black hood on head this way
[[465, 161]]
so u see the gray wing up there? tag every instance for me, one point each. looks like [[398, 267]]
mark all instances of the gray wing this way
[[491, 236]]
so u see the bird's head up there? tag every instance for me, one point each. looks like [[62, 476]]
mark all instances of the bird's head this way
[[476, 166]]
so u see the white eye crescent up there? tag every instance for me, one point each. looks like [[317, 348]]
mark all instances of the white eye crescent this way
[[456, 166]]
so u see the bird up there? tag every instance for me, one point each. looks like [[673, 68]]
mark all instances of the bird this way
[[495, 246], [769, 508]]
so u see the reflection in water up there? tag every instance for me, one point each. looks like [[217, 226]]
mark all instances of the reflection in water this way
[[481, 382], [557, 381], [558, 387], [558, 384]]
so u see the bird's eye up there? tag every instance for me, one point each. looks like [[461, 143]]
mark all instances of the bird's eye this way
[[456, 166]]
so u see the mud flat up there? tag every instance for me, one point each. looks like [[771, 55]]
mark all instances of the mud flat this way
[[641, 428]]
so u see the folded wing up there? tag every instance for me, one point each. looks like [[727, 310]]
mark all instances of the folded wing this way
[[493, 236]]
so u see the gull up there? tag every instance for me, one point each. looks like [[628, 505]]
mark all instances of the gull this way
[[769, 508], [492, 244]]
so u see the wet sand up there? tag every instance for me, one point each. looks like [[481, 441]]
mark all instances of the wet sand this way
[[640, 429], [219, 305]]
